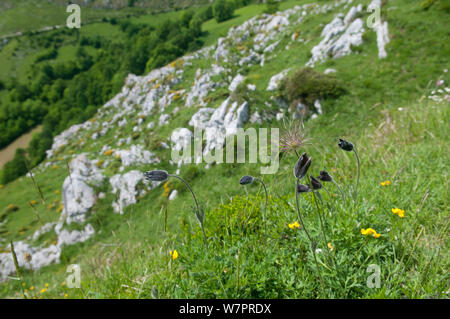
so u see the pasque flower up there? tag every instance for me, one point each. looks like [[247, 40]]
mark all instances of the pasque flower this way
[[345, 145], [157, 175], [302, 165], [303, 188], [324, 176], [315, 183], [246, 180]]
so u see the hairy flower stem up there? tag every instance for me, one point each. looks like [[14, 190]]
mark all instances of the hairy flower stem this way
[[265, 191], [196, 204], [300, 216], [339, 188], [16, 265], [359, 166], [329, 195], [320, 218], [322, 225], [310, 240]]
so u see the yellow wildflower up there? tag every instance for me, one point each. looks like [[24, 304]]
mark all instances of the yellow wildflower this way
[[43, 290], [294, 225], [60, 208], [386, 183], [370, 232], [399, 212], [174, 254], [57, 192], [166, 189], [66, 295], [32, 288], [46, 285], [108, 152], [330, 246]]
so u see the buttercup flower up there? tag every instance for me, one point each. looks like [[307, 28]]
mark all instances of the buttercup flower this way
[[370, 232], [330, 246], [386, 183], [399, 212], [174, 254], [294, 225]]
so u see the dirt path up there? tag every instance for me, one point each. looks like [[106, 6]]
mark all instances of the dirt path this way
[[7, 153]]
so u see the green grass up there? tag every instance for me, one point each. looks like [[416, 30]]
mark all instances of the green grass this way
[[407, 146]]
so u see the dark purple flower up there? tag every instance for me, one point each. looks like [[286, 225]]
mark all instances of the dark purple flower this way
[[157, 175], [302, 165], [246, 180], [345, 145]]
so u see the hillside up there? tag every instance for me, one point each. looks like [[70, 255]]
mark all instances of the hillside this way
[[383, 87]]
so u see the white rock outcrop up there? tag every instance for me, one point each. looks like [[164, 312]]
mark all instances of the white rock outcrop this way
[[125, 186], [135, 155], [78, 196], [339, 36]]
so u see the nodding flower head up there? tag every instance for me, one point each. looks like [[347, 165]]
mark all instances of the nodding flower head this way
[[324, 176], [302, 165], [315, 183], [303, 188], [246, 180], [157, 175], [345, 145]]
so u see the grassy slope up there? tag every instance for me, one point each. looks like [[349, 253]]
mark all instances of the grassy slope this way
[[406, 147]]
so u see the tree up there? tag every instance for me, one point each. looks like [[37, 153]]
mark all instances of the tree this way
[[272, 6], [223, 10], [15, 168]]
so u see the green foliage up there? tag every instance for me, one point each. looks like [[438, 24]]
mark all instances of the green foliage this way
[[307, 85], [15, 168], [223, 10], [272, 6]]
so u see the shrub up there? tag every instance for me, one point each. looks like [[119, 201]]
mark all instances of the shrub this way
[[272, 6], [223, 10], [307, 85], [15, 168]]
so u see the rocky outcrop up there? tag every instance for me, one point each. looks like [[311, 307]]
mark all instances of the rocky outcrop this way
[[223, 121], [78, 196], [126, 188], [276, 79], [135, 155], [339, 36]]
